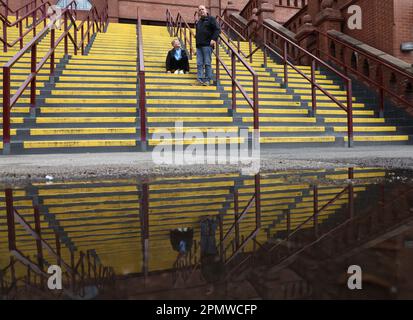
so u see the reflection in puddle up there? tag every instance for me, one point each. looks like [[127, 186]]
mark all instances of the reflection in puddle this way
[[286, 235]]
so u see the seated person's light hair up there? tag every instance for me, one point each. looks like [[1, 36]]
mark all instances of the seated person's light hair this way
[[173, 41]]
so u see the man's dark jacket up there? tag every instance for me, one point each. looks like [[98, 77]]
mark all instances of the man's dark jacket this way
[[207, 29]]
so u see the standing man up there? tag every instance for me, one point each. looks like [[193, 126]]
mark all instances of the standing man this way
[[207, 33]]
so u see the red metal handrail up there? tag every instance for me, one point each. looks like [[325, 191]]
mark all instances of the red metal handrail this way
[[72, 270], [8, 100], [42, 8], [379, 84], [240, 37], [16, 11], [349, 190], [141, 78], [94, 22], [255, 199], [267, 45], [181, 27]]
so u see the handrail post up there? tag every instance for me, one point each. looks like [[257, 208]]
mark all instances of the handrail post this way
[[88, 30], [285, 57], [236, 216], [21, 34], [256, 103], [11, 228], [350, 113], [52, 57], [258, 200], [33, 82], [381, 91], [142, 83], [5, 36], [142, 104], [315, 209], [218, 73], [6, 110], [250, 47], [83, 39], [265, 46], [190, 45], [313, 89], [234, 85], [66, 37]]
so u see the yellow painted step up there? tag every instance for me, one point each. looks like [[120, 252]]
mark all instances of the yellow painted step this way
[[355, 120], [92, 62], [307, 91], [93, 93], [184, 102], [188, 110], [274, 111], [13, 132], [111, 110], [367, 129], [244, 102], [97, 79], [179, 87], [307, 85], [91, 100], [100, 73], [173, 130], [342, 112], [249, 83], [379, 138], [14, 120], [217, 140], [325, 98], [189, 119], [282, 119], [78, 144], [78, 131], [96, 85], [182, 94], [291, 129], [85, 120], [24, 77]]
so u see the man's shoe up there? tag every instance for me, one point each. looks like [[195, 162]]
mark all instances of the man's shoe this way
[[181, 72], [176, 72], [206, 83], [201, 83]]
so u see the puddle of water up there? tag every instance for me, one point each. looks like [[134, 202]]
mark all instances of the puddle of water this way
[[285, 235]]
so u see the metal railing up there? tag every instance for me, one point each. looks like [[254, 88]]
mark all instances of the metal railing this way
[[76, 274], [35, 67], [313, 221], [246, 12], [140, 60], [377, 81], [42, 8], [230, 30], [17, 12], [273, 41], [238, 244], [180, 28]]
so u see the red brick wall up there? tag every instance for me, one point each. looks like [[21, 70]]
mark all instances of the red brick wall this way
[[154, 10], [386, 24], [378, 22], [403, 28]]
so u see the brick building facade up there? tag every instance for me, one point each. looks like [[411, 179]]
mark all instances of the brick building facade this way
[[386, 23]]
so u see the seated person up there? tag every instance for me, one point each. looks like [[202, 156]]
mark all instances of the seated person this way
[[177, 59]]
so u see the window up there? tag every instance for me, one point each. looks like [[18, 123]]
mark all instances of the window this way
[[81, 4]]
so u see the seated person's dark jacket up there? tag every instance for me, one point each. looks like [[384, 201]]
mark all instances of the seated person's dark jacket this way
[[177, 236], [172, 64]]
